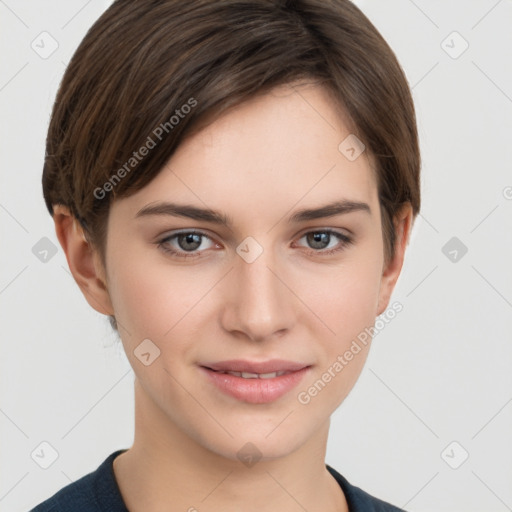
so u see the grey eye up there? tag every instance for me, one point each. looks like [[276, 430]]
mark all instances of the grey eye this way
[[189, 241], [318, 239]]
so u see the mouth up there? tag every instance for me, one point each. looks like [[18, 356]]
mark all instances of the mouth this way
[[249, 375], [255, 382]]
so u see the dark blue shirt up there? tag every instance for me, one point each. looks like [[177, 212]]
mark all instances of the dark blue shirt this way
[[98, 492]]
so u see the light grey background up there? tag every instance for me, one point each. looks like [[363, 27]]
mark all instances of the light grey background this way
[[438, 373]]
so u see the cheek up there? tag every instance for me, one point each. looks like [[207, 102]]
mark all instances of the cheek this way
[[345, 298], [150, 298], [346, 301], [348, 311]]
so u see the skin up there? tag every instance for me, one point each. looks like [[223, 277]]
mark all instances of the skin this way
[[258, 163]]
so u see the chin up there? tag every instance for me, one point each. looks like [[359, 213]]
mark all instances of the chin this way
[[254, 441], [254, 449]]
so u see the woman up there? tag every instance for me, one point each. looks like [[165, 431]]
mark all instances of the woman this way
[[234, 184]]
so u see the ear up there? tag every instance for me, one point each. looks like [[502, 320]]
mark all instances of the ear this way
[[403, 223], [83, 260]]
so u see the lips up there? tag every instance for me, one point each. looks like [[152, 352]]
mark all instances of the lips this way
[[255, 382]]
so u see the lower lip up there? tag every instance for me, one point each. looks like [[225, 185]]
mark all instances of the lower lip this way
[[255, 391]]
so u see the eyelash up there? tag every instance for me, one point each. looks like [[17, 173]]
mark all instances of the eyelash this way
[[345, 241]]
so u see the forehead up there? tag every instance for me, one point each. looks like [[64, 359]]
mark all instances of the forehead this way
[[265, 155]]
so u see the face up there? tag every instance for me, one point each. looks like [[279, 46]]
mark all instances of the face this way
[[270, 283]]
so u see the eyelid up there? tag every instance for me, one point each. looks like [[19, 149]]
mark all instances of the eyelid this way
[[324, 229], [343, 239], [174, 234]]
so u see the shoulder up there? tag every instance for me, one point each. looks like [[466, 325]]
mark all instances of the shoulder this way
[[95, 492], [359, 500]]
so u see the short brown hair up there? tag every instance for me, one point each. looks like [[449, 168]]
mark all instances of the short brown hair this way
[[143, 61]]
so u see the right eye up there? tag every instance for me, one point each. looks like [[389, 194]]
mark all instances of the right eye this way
[[184, 244]]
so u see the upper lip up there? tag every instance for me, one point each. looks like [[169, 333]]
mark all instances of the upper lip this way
[[270, 366]]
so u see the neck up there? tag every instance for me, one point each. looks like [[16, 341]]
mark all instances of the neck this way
[[166, 469]]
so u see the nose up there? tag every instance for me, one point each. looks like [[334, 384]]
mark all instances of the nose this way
[[258, 304]]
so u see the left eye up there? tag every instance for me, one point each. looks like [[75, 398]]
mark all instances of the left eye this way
[[319, 239], [322, 240]]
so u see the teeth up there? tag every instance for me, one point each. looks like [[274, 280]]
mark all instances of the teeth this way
[[268, 375], [249, 375]]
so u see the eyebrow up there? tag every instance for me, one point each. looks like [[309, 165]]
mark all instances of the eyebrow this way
[[205, 214]]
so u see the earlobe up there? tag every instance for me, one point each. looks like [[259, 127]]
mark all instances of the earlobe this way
[[391, 272], [83, 261]]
